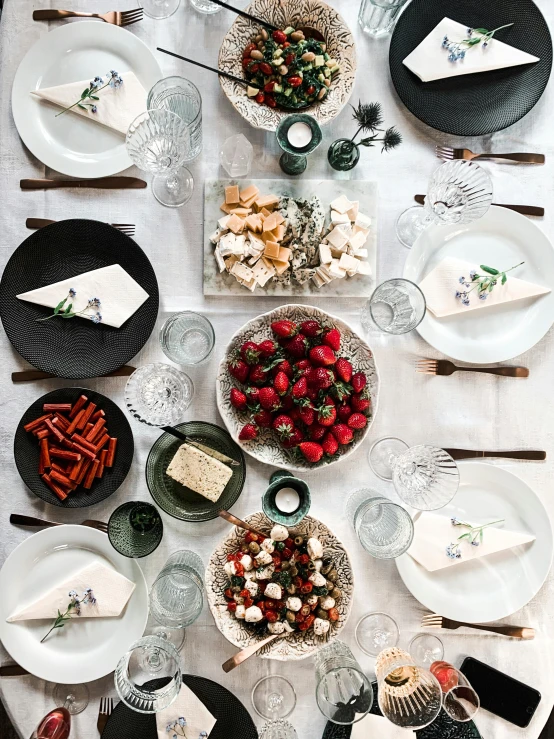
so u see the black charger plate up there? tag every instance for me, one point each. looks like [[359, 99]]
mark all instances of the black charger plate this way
[[26, 450], [75, 348], [233, 720], [481, 103]]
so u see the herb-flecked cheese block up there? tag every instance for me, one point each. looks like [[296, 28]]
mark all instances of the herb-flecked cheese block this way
[[199, 472]]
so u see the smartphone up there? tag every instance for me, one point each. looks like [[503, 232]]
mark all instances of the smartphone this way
[[501, 694]]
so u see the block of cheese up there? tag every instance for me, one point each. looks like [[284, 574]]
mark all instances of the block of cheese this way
[[248, 193], [199, 472], [231, 194]]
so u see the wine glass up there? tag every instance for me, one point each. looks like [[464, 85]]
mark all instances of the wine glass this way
[[55, 725], [425, 477], [278, 730], [158, 141], [459, 192], [396, 307], [460, 701], [273, 697], [159, 9], [426, 649], [158, 394], [74, 698], [376, 631]]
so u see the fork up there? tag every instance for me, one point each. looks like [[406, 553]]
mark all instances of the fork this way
[[434, 621], [115, 17], [126, 228], [444, 367], [17, 518], [106, 708], [446, 152]]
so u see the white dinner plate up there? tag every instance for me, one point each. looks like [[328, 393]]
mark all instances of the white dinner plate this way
[[81, 651], [70, 143], [500, 239], [492, 587]]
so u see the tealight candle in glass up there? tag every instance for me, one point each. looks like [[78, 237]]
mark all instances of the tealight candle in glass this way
[[287, 499], [297, 135]]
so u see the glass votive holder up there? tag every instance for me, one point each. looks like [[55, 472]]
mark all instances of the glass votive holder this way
[[187, 338], [135, 529]]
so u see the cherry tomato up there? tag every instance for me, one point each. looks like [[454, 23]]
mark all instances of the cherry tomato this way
[[244, 593], [306, 588], [294, 81], [333, 614], [289, 59], [297, 582], [253, 68], [262, 584], [279, 36], [231, 557], [246, 62], [289, 543], [305, 610], [276, 558], [271, 616], [287, 43], [270, 605], [266, 68], [248, 602], [269, 87], [250, 537], [239, 569], [286, 553], [313, 606], [279, 605], [309, 620], [232, 606], [260, 98], [310, 90], [229, 594], [303, 559], [304, 626], [299, 618], [270, 100], [248, 49]]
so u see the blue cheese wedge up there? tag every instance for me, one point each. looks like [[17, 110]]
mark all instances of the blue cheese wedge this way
[[199, 472]]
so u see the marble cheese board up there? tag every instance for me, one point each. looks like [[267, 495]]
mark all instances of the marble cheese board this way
[[222, 283]]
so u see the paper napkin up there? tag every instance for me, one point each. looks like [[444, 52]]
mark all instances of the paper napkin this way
[[111, 590], [190, 708], [378, 727], [120, 296], [433, 533], [429, 61], [440, 285], [116, 109]]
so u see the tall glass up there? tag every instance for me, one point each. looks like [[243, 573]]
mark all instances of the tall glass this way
[[377, 17], [397, 306], [384, 528], [460, 701], [343, 693], [187, 338], [181, 97], [158, 394], [177, 595]]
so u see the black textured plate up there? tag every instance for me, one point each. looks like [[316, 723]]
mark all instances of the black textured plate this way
[[26, 450], [481, 103], [75, 348], [233, 720]]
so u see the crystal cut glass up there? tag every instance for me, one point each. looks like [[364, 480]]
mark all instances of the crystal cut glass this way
[[396, 307], [343, 692], [181, 97], [278, 730], [187, 338], [378, 17], [158, 394], [236, 155], [384, 528], [177, 595]]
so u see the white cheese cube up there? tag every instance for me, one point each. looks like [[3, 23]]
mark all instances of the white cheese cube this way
[[363, 221], [359, 229], [253, 615], [226, 245], [229, 569], [252, 587], [341, 204], [276, 628], [316, 279], [273, 590], [294, 604], [198, 471], [321, 626], [268, 545], [352, 213], [337, 238], [279, 533], [315, 548], [219, 259], [263, 558], [327, 602], [217, 234], [319, 60], [361, 253], [239, 245], [325, 255], [265, 573], [324, 274], [240, 612], [317, 579], [357, 240], [336, 271], [223, 221], [242, 272], [346, 228], [339, 218], [246, 562], [364, 268], [263, 273], [349, 263]]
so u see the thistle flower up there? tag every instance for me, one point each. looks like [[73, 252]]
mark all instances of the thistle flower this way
[[391, 139]]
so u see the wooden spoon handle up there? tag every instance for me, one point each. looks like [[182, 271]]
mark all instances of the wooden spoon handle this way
[[245, 653], [239, 522]]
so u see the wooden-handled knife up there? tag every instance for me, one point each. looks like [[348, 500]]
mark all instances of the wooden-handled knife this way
[[107, 183], [526, 210], [533, 455], [33, 374]]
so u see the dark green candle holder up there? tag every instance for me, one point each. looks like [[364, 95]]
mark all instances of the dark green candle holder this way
[[284, 479], [294, 159], [135, 529]]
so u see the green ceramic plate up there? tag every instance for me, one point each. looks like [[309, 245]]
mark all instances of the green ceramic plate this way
[[182, 502]]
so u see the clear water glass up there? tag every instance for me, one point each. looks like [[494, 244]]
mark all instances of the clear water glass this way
[[426, 649], [74, 698], [397, 306], [177, 595], [273, 697], [376, 631], [459, 192], [377, 17], [343, 692], [158, 141], [384, 528], [181, 97], [205, 6], [158, 394], [187, 338], [459, 700], [159, 9], [148, 662], [278, 730]]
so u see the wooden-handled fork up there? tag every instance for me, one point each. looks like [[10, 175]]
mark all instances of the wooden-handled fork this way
[[434, 621]]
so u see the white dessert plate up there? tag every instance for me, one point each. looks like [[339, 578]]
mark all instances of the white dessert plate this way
[[70, 143], [492, 587], [500, 239], [85, 649]]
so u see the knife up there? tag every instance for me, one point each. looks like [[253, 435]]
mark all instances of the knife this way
[[109, 183], [206, 449], [32, 374], [526, 210], [11, 670], [530, 454]]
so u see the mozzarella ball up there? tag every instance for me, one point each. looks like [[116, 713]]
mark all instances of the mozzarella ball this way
[[273, 590], [279, 533], [252, 587], [229, 568], [321, 626], [268, 546], [239, 600], [240, 611], [317, 579], [312, 599], [315, 548], [253, 615], [294, 604], [276, 628], [265, 573], [249, 575], [318, 564], [247, 563], [326, 603], [288, 627], [263, 558]]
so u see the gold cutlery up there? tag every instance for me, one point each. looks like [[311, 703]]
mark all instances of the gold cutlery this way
[[12, 670], [247, 652], [445, 367], [531, 455], [34, 374], [240, 523], [115, 17], [17, 518], [526, 210], [104, 712], [126, 228], [446, 153], [109, 183], [203, 448], [434, 621]]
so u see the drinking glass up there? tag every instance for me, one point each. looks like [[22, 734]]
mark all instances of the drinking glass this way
[[397, 306], [278, 730], [273, 697], [384, 528], [177, 597], [55, 725], [158, 141], [205, 6], [459, 699], [377, 17], [135, 529], [158, 394], [426, 649], [159, 9], [376, 631], [74, 698], [424, 477], [176, 637], [187, 338], [459, 192], [343, 693], [181, 97], [408, 696], [148, 677]]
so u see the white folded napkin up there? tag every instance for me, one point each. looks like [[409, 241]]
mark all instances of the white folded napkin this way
[[378, 727], [187, 707], [429, 61], [120, 296], [111, 590], [441, 284], [433, 533], [116, 109]]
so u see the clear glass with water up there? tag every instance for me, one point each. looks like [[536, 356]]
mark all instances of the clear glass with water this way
[[177, 595], [397, 306], [343, 692], [205, 6], [384, 528], [377, 17], [187, 338], [181, 97]]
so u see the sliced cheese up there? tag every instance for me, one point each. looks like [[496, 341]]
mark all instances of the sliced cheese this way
[[198, 471]]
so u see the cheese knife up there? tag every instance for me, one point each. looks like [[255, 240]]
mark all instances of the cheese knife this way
[[529, 454], [33, 374], [12, 670], [526, 210], [108, 183], [203, 448]]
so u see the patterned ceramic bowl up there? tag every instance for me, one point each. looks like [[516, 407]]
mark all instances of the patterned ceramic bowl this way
[[298, 644], [283, 13], [266, 447]]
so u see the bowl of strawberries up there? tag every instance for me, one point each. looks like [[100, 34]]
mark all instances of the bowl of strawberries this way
[[297, 387]]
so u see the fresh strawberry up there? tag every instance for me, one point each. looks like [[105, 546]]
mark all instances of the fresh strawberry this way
[[300, 388], [267, 348], [342, 433], [269, 399], [359, 381], [294, 413], [327, 413], [294, 439], [238, 399], [248, 432], [311, 451], [321, 378], [249, 352], [297, 346], [312, 393], [238, 369], [322, 355], [262, 418], [317, 432], [332, 338], [302, 367], [310, 328], [343, 368], [360, 403], [287, 402], [307, 414], [283, 366], [342, 390], [257, 375], [281, 383], [357, 421], [284, 329], [284, 425], [344, 411], [253, 394], [330, 445]]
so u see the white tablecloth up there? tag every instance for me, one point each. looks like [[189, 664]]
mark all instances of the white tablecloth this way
[[471, 411]]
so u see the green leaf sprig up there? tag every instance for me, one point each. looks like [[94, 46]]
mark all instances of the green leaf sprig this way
[[73, 608], [91, 92], [484, 284], [66, 311]]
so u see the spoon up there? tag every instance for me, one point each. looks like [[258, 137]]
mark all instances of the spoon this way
[[239, 522], [247, 652]]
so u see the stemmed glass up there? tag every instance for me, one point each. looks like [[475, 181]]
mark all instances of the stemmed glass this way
[[159, 9], [459, 192], [74, 698], [397, 306], [158, 141], [459, 700], [376, 631], [278, 730], [158, 394], [426, 649], [273, 697]]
